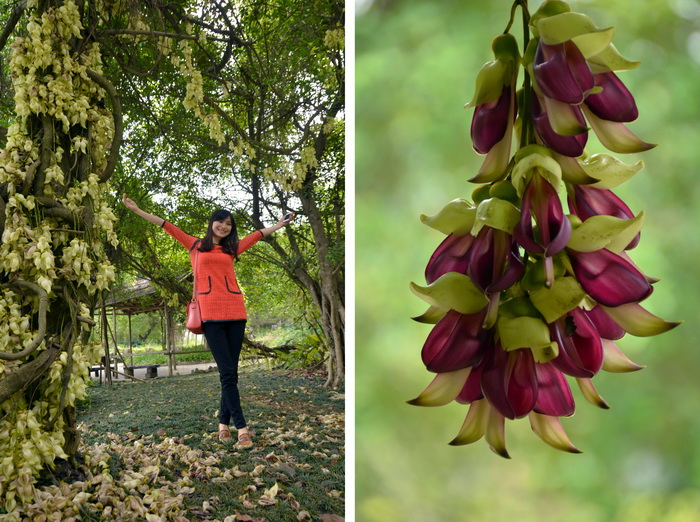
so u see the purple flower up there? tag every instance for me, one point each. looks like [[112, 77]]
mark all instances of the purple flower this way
[[541, 202], [509, 381], [572, 146], [491, 121], [494, 261], [567, 94], [609, 278], [554, 396], [580, 345], [591, 201], [456, 341], [562, 72], [451, 256], [615, 102]]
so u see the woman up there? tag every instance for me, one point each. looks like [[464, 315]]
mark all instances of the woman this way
[[221, 302]]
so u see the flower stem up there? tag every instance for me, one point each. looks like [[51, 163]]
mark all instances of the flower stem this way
[[527, 130]]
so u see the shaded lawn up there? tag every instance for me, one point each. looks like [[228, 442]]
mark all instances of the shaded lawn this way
[[294, 472]]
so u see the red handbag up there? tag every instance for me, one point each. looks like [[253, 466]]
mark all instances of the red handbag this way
[[194, 314]]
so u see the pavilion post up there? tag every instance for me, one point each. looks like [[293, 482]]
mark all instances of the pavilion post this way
[[131, 348]]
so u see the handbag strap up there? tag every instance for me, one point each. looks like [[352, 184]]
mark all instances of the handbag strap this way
[[194, 275]]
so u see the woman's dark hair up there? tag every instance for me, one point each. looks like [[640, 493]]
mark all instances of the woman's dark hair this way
[[229, 244]]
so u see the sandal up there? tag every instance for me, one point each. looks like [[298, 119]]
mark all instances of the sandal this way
[[244, 441], [225, 436]]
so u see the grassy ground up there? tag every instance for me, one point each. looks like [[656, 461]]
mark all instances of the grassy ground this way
[[151, 450]]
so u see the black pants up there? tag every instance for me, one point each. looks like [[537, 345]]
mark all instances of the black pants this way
[[225, 340]]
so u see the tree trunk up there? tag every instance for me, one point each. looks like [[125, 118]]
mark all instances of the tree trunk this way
[[330, 297]]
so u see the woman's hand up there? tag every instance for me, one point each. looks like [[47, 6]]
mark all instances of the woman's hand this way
[[129, 203], [284, 222]]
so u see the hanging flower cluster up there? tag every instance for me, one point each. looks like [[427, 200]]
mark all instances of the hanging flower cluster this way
[[54, 217], [525, 297]]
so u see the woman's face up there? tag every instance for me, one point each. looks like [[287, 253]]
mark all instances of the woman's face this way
[[221, 229]]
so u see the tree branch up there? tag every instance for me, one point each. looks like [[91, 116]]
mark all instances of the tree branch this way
[[27, 373], [118, 123], [12, 22]]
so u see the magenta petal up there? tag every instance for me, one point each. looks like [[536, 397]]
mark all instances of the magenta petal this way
[[609, 278], [513, 272], [483, 258], [587, 340], [451, 256], [509, 382], [607, 328], [471, 391], [524, 232], [591, 201], [488, 257], [562, 73], [554, 228], [580, 346], [558, 226], [554, 394], [490, 122], [615, 102], [571, 146], [455, 342]]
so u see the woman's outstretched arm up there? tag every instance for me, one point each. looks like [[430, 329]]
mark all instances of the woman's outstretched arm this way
[[281, 223], [145, 215]]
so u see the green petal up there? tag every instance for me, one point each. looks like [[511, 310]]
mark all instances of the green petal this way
[[548, 8], [609, 171], [495, 165], [577, 27], [496, 433], [505, 48], [591, 394], [543, 354], [522, 332], [443, 389], [610, 59], [504, 190], [615, 361], [545, 164], [431, 316], [591, 44], [638, 321], [457, 217], [572, 171], [550, 430], [603, 231], [564, 295], [489, 83], [562, 120], [496, 213], [474, 425], [615, 136], [452, 291], [517, 307]]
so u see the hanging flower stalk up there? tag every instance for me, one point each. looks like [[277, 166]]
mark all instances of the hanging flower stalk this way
[[524, 297]]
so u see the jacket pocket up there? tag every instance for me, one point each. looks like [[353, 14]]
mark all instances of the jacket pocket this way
[[208, 286], [235, 286]]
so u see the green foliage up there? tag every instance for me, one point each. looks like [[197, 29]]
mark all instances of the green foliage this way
[[311, 352], [415, 68]]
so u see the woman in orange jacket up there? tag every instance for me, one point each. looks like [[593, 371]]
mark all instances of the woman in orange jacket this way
[[221, 302]]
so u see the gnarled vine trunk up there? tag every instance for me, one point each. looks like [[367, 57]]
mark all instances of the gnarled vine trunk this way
[[57, 157]]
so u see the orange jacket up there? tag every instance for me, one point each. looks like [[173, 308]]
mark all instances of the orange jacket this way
[[220, 298]]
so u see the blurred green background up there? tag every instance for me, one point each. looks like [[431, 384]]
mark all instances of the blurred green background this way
[[416, 64]]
